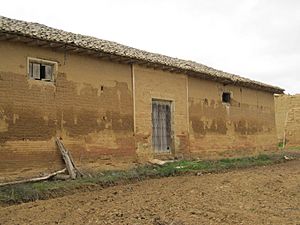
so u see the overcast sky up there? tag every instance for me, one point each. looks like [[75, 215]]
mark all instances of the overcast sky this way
[[258, 39]]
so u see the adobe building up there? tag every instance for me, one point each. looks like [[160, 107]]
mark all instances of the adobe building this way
[[287, 111], [106, 100]]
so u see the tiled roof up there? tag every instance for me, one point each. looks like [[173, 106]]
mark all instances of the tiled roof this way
[[51, 35]]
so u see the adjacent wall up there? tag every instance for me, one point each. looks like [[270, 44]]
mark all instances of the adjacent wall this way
[[89, 105], [288, 119]]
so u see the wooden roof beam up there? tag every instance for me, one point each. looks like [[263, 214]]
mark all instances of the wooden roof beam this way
[[77, 50], [56, 45], [16, 39], [114, 58], [142, 63], [173, 70], [70, 48], [155, 66], [104, 57], [127, 60], [38, 43], [165, 68], [89, 52], [5, 37]]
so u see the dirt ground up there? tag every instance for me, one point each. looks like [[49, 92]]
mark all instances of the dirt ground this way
[[262, 195]]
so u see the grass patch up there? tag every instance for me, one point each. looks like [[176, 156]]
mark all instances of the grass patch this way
[[49, 189], [293, 148], [280, 144], [283, 146]]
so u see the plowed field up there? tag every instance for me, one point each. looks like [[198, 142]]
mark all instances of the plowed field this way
[[262, 195]]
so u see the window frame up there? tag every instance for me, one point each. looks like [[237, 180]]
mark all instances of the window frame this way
[[42, 61]]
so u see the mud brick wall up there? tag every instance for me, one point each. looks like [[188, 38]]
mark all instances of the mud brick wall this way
[[156, 84], [202, 125], [89, 105], [287, 109], [243, 127]]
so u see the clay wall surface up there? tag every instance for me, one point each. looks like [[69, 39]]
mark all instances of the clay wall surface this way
[[103, 109], [89, 105], [156, 84], [245, 126]]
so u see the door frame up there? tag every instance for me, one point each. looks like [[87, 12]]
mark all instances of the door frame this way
[[172, 132]]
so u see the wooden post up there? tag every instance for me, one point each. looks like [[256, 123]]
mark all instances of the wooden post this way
[[69, 164], [35, 179]]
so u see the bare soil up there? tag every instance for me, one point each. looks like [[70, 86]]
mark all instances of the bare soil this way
[[262, 195]]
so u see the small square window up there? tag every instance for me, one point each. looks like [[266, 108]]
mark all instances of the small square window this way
[[39, 69], [226, 97]]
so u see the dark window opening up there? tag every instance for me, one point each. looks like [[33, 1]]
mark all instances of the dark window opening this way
[[40, 71], [226, 97]]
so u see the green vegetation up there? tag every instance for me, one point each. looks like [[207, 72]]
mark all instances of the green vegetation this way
[[49, 189], [280, 144], [293, 148]]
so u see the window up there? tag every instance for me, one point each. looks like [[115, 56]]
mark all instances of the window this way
[[39, 69], [226, 97]]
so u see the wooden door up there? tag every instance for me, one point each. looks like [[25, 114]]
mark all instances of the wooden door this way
[[161, 126]]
